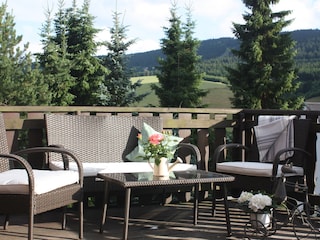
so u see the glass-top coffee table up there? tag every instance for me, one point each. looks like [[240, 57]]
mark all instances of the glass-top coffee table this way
[[179, 178]]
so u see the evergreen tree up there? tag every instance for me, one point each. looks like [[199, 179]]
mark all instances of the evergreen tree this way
[[21, 81], [265, 76], [118, 90], [54, 60], [190, 91], [178, 76], [87, 69]]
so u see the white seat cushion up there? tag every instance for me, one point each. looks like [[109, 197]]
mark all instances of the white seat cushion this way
[[92, 169], [15, 181], [257, 169]]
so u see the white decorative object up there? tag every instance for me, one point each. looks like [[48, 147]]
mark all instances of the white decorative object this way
[[260, 220], [255, 202], [162, 169]]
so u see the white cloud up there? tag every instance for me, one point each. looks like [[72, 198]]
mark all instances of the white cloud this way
[[146, 18], [304, 13], [144, 45], [214, 18], [35, 47]]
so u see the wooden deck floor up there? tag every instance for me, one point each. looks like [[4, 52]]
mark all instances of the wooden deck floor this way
[[172, 221]]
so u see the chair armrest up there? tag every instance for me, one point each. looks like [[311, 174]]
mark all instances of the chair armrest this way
[[277, 160], [25, 165], [194, 149], [64, 152], [64, 157], [217, 155]]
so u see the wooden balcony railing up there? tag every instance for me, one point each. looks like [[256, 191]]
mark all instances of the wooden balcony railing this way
[[205, 127]]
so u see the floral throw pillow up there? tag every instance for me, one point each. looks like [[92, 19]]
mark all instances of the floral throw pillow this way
[[138, 153]]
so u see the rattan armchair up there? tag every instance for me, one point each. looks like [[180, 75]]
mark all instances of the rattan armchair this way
[[24, 190], [251, 173]]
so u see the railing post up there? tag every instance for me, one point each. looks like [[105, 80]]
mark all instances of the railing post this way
[[36, 138], [312, 149], [12, 134]]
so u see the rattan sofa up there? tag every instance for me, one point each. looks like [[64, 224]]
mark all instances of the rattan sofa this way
[[103, 142], [24, 190]]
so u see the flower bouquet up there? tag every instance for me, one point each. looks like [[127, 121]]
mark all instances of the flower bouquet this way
[[255, 202], [157, 146], [259, 205]]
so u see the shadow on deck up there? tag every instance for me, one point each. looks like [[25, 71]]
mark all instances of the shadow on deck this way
[[172, 221]]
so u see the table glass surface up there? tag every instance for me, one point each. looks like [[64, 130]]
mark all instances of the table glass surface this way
[[175, 178]]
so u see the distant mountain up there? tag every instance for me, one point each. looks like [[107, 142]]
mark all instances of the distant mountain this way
[[217, 48], [144, 60], [208, 49]]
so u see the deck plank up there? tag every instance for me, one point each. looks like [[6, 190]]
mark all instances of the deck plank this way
[[172, 221]]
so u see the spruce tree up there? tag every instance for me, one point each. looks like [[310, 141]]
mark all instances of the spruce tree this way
[[265, 76], [21, 81], [190, 92], [178, 76], [54, 61], [118, 90], [87, 69]]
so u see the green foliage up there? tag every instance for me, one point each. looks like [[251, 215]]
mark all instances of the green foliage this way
[[21, 81], [55, 63], [265, 76], [179, 77], [117, 89], [75, 35], [68, 61], [88, 70], [215, 79], [308, 61]]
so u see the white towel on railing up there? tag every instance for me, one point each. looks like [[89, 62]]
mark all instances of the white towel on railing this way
[[274, 133]]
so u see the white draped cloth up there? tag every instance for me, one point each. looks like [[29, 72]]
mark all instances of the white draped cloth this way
[[274, 133]]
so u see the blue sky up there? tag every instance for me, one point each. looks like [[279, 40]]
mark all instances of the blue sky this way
[[146, 18]]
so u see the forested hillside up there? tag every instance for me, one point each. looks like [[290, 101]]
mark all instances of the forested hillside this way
[[216, 56], [308, 61]]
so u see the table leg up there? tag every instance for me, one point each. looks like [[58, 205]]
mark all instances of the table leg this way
[[126, 214], [105, 206], [213, 201], [196, 204], [226, 207]]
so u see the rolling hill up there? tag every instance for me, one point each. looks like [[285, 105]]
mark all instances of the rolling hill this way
[[218, 96]]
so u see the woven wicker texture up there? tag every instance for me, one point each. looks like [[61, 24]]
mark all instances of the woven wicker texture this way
[[97, 139], [4, 163]]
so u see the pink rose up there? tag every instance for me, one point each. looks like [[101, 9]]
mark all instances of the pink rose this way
[[156, 138]]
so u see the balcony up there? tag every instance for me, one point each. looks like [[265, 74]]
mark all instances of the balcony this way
[[207, 128]]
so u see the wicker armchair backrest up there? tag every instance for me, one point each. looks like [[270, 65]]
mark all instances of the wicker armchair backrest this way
[[97, 139], [4, 164]]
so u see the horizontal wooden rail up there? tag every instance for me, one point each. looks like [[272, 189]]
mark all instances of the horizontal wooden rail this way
[[92, 109], [182, 118]]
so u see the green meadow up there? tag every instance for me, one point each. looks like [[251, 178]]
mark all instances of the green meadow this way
[[218, 96]]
